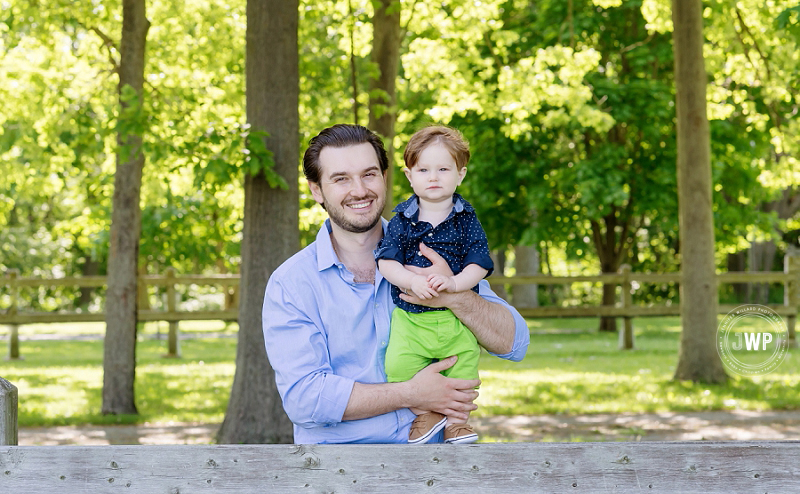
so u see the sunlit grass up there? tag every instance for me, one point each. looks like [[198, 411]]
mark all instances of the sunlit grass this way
[[60, 382], [582, 371], [569, 369]]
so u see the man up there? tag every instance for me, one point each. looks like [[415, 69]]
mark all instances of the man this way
[[327, 309]]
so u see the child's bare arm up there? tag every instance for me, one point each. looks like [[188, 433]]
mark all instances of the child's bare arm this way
[[465, 280], [404, 279]]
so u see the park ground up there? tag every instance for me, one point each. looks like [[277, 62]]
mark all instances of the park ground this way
[[574, 385], [738, 425]]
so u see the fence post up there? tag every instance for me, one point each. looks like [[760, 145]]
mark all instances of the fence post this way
[[8, 413], [173, 342], [791, 291], [13, 328], [626, 333]]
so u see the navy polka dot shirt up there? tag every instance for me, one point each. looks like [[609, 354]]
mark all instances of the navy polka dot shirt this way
[[460, 239]]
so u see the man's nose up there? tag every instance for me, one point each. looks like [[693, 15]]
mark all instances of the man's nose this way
[[359, 189]]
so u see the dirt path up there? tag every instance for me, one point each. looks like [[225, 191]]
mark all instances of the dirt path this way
[[716, 426]]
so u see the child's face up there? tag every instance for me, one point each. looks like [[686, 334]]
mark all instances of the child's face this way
[[435, 176]]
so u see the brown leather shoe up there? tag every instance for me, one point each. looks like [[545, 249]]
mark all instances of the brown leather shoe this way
[[460, 434], [426, 426]]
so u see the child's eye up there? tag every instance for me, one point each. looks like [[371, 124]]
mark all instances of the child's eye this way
[[444, 169], [423, 170]]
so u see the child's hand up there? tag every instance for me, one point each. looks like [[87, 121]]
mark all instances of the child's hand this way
[[442, 283], [420, 287]]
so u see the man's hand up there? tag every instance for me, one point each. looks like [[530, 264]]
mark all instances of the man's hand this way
[[438, 263], [438, 266], [432, 391]]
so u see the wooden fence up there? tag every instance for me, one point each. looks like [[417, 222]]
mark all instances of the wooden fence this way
[[13, 317], [600, 467]]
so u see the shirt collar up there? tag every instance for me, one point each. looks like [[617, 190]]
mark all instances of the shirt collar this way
[[326, 255], [410, 206]]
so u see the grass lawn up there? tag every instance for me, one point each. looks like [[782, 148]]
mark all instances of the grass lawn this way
[[569, 369], [572, 369]]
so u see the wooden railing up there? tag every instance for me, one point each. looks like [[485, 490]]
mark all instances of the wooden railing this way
[[14, 317], [601, 467]]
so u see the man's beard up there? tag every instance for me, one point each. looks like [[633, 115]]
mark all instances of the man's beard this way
[[339, 217]]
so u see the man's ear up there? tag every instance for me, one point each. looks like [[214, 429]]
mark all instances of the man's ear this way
[[316, 191], [461, 173]]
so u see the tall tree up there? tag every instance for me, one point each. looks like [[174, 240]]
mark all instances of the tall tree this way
[[698, 359], [255, 413], [119, 347], [386, 56]]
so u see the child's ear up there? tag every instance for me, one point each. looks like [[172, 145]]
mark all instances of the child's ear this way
[[461, 173], [408, 174]]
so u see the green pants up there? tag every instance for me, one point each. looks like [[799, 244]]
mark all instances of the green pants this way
[[416, 340]]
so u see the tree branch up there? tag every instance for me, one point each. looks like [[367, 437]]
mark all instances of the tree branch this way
[[109, 43]]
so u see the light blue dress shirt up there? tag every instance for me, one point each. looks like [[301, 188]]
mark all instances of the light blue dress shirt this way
[[324, 332]]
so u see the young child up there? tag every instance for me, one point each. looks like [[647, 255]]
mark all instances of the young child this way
[[436, 161]]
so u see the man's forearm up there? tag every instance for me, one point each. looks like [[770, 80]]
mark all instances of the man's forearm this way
[[368, 400], [427, 390], [492, 324]]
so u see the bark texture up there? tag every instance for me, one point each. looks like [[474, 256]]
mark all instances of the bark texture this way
[[119, 347], [386, 55], [698, 359], [526, 262], [255, 413]]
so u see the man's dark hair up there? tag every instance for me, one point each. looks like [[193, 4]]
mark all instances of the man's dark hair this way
[[339, 136]]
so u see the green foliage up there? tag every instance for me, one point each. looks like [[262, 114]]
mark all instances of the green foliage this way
[[789, 20]]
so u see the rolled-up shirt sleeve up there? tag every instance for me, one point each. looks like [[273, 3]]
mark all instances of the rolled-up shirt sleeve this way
[[477, 247], [522, 336], [312, 395], [391, 246]]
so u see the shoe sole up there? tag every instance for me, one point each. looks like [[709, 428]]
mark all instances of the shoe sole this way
[[462, 439], [429, 435]]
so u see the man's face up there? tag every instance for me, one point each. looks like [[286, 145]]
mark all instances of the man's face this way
[[351, 187]]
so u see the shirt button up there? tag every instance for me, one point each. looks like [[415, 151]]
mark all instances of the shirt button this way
[[430, 234]]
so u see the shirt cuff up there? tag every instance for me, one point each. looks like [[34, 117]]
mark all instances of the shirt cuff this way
[[333, 400], [522, 338]]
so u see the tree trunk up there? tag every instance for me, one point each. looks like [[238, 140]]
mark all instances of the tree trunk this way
[[91, 267], [608, 323], [386, 55], [255, 413], [737, 263], [762, 258], [499, 259], [611, 250], [526, 262], [698, 359], [119, 347]]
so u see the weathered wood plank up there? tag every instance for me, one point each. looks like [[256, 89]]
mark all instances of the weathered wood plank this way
[[706, 467], [8, 413]]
